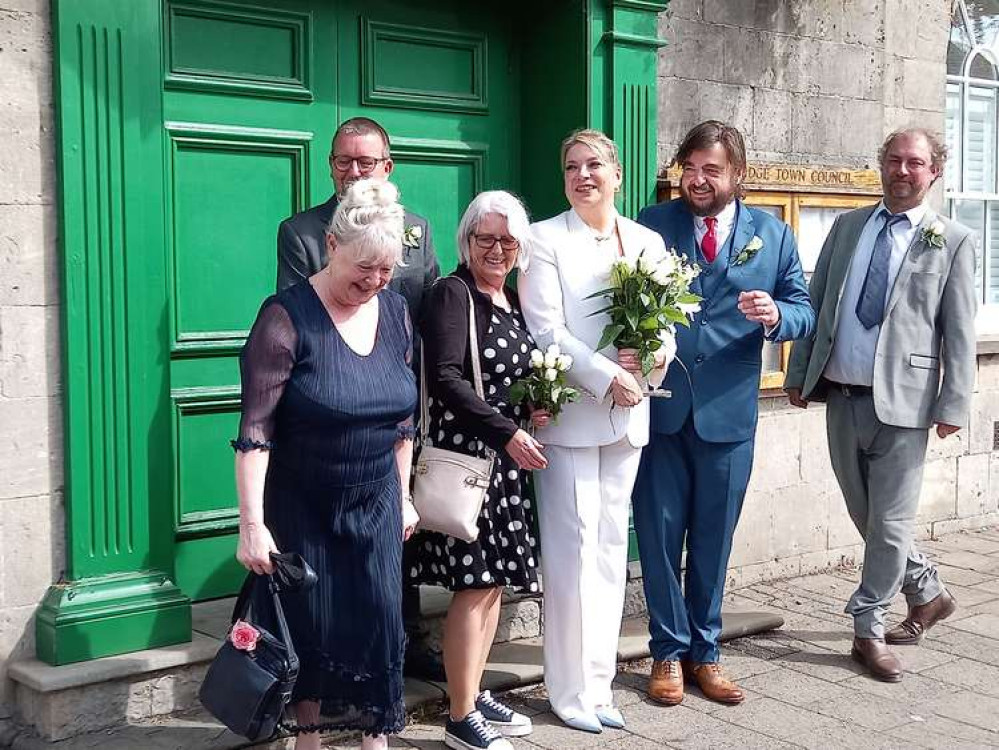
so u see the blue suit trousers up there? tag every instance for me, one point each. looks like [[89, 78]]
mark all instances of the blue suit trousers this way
[[688, 491]]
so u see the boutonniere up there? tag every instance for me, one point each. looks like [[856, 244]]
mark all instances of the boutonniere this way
[[746, 254], [933, 234], [411, 236]]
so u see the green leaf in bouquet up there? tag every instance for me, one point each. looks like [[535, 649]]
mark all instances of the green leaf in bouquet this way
[[689, 298], [602, 293], [634, 315], [609, 335], [646, 299], [651, 323], [676, 316], [519, 392], [648, 362]]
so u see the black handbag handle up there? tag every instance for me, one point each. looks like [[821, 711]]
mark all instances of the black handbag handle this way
[[296, 575]]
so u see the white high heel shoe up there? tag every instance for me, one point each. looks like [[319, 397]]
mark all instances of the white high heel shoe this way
[[610, 717]]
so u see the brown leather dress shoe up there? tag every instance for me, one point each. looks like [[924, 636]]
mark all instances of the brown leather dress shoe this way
[[880, 660], [714, 684], [666, 683], [921, 618]]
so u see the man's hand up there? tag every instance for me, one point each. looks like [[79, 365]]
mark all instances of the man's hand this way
[[794, 396], [759, 307], [943, 430]]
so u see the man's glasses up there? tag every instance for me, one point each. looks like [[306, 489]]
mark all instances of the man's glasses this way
[[488, 242], [364, 163]]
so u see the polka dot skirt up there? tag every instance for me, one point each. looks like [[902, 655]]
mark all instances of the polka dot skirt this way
[[505, 553]]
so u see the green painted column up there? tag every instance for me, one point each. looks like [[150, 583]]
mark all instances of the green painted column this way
[[624, 48], [116, 594]]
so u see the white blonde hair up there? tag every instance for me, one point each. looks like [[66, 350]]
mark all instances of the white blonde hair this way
[[504, 204], [369, 222]]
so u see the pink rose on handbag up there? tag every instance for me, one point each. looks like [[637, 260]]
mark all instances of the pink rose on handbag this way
[[244, 636]]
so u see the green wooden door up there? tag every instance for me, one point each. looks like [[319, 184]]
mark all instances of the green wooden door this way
[[251, 98]]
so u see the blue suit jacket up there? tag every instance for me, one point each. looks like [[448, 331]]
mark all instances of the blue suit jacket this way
[[720, 353]]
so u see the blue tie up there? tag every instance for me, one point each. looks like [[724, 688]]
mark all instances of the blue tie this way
[[871, 305]]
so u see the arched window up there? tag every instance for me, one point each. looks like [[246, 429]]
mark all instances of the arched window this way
[[971, 183]]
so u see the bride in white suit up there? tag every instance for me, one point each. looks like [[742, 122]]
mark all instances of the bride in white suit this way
[[595, 446]]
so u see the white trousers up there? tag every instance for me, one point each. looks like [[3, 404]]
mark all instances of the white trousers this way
[[583, 499]]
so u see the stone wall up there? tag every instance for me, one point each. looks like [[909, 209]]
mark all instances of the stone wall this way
[[811, 81], [31, 512]]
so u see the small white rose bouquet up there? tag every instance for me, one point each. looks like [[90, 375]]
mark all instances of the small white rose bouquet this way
[[545, 387], [646, 298]]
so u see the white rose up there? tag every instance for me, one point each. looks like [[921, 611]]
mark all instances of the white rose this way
[[551, 359], [669, 263], [537, 358], [551, 374], [937, 227], [646, 265], [553, 349], [564, 362], [689, 308], [416, 230], [662, 276]]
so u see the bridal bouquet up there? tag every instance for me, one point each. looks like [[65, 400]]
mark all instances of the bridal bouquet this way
[[647, 297], [545, 387]]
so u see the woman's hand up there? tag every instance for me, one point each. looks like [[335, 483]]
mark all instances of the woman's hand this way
[[254, 548], [526, 451], [410, 517], [624, 389], [541, 418]]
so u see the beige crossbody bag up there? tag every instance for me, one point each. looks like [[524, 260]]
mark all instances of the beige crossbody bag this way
[[448, 487]]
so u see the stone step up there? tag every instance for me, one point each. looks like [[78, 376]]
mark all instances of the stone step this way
[[148, 699]]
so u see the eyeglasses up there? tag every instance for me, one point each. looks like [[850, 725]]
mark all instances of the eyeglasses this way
[[364, 163], [488, 242]]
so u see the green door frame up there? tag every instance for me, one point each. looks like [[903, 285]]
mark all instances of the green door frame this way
[[118, 594]]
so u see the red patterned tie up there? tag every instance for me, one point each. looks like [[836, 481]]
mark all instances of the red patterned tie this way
[[709, 244]]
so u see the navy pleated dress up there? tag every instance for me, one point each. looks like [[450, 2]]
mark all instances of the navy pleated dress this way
[[331, 419]]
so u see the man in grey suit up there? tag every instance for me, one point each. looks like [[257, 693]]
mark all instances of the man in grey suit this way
[[894, 355], [360, 149]]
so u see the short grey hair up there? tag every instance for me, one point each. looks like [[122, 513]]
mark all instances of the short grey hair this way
[[369, 221], [506, 205]]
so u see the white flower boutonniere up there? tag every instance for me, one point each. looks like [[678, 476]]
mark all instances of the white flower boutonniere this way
[[933, 235], [746, 254], [411, 236]]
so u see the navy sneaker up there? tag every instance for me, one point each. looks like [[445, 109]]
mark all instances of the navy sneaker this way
[[504, 719], [473, 733]]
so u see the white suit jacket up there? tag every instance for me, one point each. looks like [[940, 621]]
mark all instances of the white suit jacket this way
[[567, 265]]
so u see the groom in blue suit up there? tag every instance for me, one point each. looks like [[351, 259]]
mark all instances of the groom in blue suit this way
[[695, 469]]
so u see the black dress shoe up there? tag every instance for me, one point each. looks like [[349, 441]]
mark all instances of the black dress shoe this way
[[423, 663], [880, 660]]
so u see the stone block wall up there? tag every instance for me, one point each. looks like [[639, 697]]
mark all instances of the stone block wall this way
[[812, 81], [31, 481]]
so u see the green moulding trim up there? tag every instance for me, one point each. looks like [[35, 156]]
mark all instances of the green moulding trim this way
[[115, 614]]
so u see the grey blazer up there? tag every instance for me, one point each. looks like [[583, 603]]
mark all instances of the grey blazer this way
[[924, 364], [301, 252]]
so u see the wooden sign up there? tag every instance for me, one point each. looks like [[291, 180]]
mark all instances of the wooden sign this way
[[803, 178]]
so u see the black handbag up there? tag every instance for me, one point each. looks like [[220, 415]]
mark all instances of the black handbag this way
[[252, 676]]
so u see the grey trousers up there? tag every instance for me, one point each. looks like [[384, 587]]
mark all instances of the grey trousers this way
[[880, 469]]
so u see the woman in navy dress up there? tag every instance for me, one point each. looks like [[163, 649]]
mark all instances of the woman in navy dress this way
[[324, 448]]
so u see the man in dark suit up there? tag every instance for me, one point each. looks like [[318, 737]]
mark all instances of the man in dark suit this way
[[695, 469], [894, 356], [360, 149]]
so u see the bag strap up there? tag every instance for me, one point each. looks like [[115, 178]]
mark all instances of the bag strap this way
[[473, 342], [243, 604]]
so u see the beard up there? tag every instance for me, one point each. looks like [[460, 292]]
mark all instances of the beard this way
[[709, 203]]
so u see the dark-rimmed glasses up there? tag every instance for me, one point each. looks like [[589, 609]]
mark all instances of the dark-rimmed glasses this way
[[488, 242], [364, 163]]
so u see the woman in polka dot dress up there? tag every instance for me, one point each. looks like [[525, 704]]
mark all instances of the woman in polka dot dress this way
[[505, 554]]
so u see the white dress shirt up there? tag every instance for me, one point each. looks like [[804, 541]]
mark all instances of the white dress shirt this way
[[726, 220], [852, 358]]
